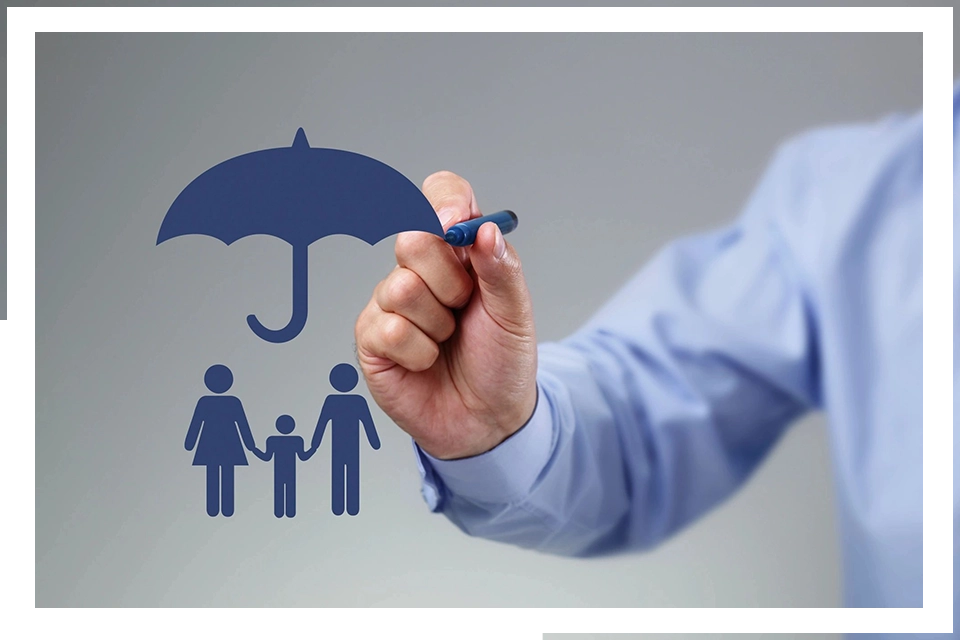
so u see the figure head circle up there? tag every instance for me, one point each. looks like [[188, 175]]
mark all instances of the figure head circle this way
[[344, 377], [285, 424], [218, 378]]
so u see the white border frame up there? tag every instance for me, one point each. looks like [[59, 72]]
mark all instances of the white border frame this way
[[17, 337]]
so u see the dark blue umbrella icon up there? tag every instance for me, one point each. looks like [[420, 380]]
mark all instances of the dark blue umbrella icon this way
[[299, 194]]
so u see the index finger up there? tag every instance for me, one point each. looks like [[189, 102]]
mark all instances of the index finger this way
[[442, 267], [452, 198]]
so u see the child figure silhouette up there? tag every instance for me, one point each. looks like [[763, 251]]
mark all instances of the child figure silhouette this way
[[284, 449]]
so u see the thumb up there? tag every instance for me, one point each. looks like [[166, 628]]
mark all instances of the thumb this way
[[503, 289]]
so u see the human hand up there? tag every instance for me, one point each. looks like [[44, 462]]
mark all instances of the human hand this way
[[447, 342]]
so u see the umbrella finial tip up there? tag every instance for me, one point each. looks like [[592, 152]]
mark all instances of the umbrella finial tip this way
[[300, 140]]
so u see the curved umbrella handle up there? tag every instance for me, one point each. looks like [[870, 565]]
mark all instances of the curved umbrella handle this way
[[299, 317]]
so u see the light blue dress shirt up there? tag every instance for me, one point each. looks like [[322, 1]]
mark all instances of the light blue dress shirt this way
[[667, 399]]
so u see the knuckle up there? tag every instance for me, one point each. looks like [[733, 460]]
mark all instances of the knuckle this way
[[410, 247], [403, 289], [379, 296], [393, 332], [444, 178], [445, 189]]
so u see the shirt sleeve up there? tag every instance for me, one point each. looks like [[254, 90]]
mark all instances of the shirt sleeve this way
[[665, 401]]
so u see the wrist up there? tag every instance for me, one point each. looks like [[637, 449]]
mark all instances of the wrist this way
[[504, 475], [500, 428]]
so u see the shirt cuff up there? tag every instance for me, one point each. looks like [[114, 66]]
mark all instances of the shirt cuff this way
[[503, 475]]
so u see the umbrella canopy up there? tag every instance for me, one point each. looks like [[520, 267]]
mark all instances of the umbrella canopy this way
[[299, 194]]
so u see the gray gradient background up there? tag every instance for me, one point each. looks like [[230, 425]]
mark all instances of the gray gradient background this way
[[606, 145], [381, 3]]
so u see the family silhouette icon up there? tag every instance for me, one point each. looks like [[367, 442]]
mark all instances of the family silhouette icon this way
[[219, 432], [299, 194]]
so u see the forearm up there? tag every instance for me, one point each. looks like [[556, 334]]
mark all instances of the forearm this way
[[597, 470]]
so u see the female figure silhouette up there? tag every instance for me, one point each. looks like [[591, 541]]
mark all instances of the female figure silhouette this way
[[220, 425]]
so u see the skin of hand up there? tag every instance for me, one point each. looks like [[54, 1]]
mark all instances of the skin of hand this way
[[447, 343]]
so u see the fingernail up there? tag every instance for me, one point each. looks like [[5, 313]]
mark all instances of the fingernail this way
[[447, 215], [499, 246]]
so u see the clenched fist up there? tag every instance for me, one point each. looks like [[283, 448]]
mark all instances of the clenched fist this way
[[447, 342]]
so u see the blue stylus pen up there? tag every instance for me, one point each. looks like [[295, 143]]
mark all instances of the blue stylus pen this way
[[465, 233]]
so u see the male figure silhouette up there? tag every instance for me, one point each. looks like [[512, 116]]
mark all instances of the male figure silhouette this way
[[284, 449], [346, 412], [220, 425]]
